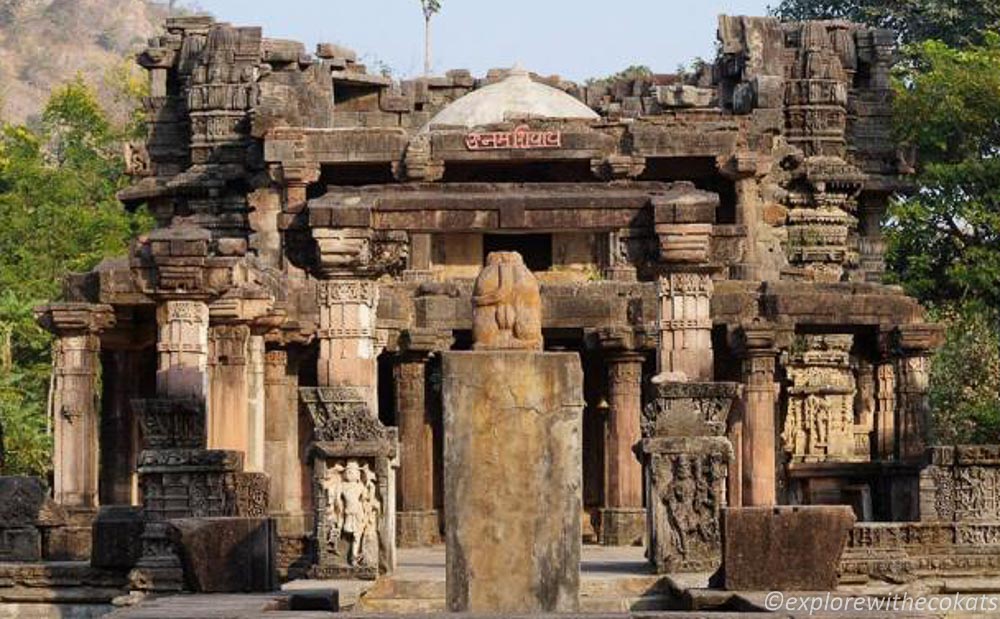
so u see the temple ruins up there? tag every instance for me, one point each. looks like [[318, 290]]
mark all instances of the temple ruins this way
[[274, 357]]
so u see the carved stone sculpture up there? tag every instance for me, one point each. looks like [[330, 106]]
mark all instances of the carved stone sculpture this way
[[352, 513], [506, 305], [820, 423]]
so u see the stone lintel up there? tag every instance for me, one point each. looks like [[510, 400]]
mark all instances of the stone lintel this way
[[75, 318], [917, 339]]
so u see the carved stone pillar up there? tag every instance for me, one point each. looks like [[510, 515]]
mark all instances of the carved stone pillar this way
[[417, 520], [255, 404], [347, 343], [885, 412], [914, 344], [182, 348], [75, 398], [281, 434], [623, 519], [75, 423], [228, 423], [759, 430], [685, 323]]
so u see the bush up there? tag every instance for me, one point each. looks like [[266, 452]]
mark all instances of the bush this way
[[965, 378]]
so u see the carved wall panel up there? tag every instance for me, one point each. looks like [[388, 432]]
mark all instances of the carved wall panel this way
[[820, 423]]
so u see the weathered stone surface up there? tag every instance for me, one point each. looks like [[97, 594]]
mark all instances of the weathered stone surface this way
[[354, 485], [226, 555], [513, 489], [506, 305], [117, 535], [784, 548]]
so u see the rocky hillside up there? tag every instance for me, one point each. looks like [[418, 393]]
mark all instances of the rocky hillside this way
[[44, 43]]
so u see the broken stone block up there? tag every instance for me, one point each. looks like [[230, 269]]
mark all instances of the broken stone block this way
[[27, 513], [784, 548], [512, 423], [117, 533], [226, 555]]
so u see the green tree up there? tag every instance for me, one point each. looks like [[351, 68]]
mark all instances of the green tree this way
[[944, 241], [964, 395], [956, 22], [57, 200]]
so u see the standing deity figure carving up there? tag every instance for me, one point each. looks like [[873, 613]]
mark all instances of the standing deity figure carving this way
[[353, 512], [506, 305]]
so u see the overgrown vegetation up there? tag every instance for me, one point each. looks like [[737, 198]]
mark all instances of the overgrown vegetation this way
[[944, 239], [57, 200]]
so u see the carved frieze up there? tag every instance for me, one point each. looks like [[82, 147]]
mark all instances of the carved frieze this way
[[820, 424], [341, 414]]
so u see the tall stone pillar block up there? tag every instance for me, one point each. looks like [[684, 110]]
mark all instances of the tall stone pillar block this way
[[281, 434], [914, 345], [77, 366], [228, 424], [759, 426], [623, 519], [76, 356], [512, 425], [417, 518]]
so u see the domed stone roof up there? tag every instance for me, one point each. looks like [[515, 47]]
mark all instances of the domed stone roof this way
[[515, 96]]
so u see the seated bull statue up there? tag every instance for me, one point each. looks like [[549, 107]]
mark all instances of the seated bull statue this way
[[506, 305]]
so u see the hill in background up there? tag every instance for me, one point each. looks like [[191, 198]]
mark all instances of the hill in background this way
[[45, 43]]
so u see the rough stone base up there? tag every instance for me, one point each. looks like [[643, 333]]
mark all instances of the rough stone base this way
[[417, 529], [227, 555], [784, 548], [20, 544], [338, 572], [156, 579], [512, 423], [623, 527], [117, 535]]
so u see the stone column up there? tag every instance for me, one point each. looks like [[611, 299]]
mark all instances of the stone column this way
[[182, 348], [914, 345], [120, 446], [347, 344], [623, 519], [885, 411], [74, 402], [281, 434], [228, 424], [758, 434], [75, 398], [255, 405], [417, 520], [685, 323]]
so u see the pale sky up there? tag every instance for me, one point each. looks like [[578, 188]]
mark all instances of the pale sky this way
[[575, 39]]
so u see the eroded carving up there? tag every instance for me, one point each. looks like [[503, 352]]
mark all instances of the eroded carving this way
[[506, 306]]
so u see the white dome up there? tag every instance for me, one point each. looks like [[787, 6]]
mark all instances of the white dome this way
[[515, 96]]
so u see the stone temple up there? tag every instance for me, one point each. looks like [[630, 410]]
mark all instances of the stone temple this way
[[266, 364]]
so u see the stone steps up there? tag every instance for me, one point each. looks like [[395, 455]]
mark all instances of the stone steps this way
[[606, 594]]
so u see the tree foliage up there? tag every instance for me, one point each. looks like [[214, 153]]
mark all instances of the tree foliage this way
[[430, 8], [57, 201], [964, 394], [945, 239], [956, 22]]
